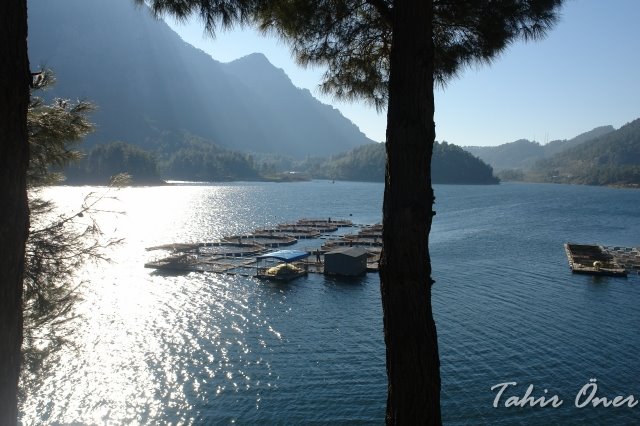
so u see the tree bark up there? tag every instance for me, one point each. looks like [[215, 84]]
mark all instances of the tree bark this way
[[14, 213], [413, 365]]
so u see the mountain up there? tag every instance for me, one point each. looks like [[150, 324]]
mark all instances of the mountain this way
[[611, 159], [155, 91], [557, 146], [450, 164], [520, 154], [523, 154]]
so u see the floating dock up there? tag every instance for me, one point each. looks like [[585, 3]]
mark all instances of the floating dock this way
[[299, 233], [243, 254], [628, 257], [315, 223], [602, 260], [267, 240]]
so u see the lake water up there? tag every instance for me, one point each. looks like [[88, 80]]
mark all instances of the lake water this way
[[205, 349]]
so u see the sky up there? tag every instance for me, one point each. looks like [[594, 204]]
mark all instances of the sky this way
[[584, 74]]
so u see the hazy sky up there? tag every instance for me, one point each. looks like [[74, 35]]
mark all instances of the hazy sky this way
[[585, 74]]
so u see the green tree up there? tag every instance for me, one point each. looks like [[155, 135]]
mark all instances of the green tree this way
[[200, 160], [53, 129], [105, 161], [390, 52]]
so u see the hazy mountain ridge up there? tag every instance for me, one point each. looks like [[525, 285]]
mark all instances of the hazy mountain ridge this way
[[151, 87], [523, 153]]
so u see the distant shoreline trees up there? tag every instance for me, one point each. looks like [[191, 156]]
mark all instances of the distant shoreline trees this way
[[201, 161], [104, 161], [450, 164]]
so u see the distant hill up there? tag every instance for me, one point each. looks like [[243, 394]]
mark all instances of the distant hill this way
[[611, 159], [523, 154], [520, 154], [557, 146], [450, 164], [152, 88]]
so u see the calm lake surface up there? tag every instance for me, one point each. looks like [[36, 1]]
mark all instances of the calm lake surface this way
[[205, 349]]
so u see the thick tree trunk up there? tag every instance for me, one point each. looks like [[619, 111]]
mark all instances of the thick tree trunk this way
[[413, 365], [14, 216]]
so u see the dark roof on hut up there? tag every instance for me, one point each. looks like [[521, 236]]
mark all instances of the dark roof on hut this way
[[349, 251]]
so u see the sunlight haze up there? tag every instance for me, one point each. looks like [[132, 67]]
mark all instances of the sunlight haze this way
[[582, 75]]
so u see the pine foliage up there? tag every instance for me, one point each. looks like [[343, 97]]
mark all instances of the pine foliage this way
[[54, 130], [58, 243], [352, 38]]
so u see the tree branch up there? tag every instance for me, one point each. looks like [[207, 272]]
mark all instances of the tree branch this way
[[383, 9]]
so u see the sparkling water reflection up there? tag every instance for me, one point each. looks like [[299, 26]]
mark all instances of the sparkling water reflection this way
[[203, 348]]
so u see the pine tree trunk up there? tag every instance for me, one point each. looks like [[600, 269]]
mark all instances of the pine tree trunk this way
[[413, 365], [14, 214]]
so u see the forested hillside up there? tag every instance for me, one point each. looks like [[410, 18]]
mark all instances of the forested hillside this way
[[523, 153], [450, 164], [612, 159]]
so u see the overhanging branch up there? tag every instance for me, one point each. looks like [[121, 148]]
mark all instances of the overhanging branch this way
[[383, 9]]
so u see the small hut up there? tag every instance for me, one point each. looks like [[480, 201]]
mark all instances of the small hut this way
[[346, 261]]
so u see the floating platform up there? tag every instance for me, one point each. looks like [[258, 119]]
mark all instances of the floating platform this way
[[628, 257], [318, 227], [299, 233], [367, 243], [282, 265], [243, 254], [223, 248], [315, 223], [364, 239], [371, 230], [267, 240], [593, 260]]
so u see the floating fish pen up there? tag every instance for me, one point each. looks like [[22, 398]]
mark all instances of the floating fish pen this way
[[318, 227], [627, 257], [178, 262], [248, 255], [353, 242], [592, 260], [364, 239], [340, 223], [371, 230], [266, 240], [222, 248], [184, 247], [188, 262], [299, 233]]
